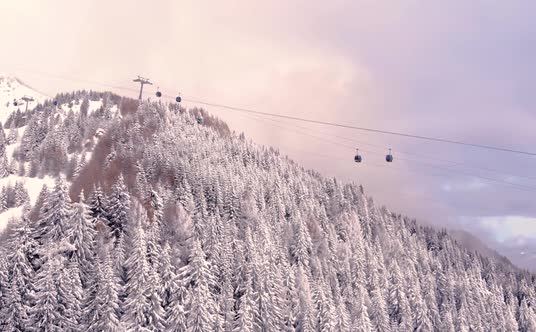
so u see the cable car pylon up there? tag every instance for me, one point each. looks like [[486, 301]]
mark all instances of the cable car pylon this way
[[27, 100], [142, 81]]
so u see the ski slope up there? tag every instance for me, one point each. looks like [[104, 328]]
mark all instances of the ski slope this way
[[11, 88]]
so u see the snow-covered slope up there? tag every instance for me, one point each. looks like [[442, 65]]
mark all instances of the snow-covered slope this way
[[33, 185], [236, 236], [11, 88]]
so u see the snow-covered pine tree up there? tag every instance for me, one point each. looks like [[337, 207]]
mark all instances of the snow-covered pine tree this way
[[118, 208], [245, 320], [36, 208], [198, 278], [91, 305], [20, 193], [302, 247], [79, 166], [4, 165], [141, 185], [55, 215], [526, 317], [378, 308], [4, 286], [154, 229], [13, 134], [305, 315], [462, 323], [176, 319], [3, 200], [50, 313], [325, 320], [19, 288], [398, 305], [69, 288], [136, 304], [104, 307], [447, 323], [97, 205], [81, 234], [361, 321]]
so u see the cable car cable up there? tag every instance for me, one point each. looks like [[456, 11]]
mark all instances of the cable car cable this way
[[409, 153], [386, 132], [327, 123], [510, 184]]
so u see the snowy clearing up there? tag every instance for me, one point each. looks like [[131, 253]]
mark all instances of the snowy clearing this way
[[33, 185]]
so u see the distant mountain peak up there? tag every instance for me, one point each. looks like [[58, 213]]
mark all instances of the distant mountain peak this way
[[12, 80], [11, 89]]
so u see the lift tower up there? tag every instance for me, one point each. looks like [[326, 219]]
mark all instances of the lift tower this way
[[27, 100], [142, 82]]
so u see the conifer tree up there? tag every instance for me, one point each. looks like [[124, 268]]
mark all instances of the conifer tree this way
[[141, 185], [447, 323], [19, 284], [97, 204], [378, 308], [35, 211], [305, 316], [3, 200], [198, 278], [290, 297], [526, 317], [324, 305], [79, 166], [303, 244], [46, 313], [20, 194], [91, 304], [5, 170], [13, 134], [361, 321], [106, 299], [168, 277], [462, 324], [55, 215], [176, 319], [510, 320], [69, 290], [4, 286], [246, 311], [136, 304], [81, 234], [118, 208], [398, 306]]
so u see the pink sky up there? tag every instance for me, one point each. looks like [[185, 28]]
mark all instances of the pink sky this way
[[457, 69]]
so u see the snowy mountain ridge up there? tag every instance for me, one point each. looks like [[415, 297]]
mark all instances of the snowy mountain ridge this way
[[11, 89]]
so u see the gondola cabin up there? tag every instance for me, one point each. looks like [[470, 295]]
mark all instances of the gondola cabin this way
[[357, 157], [389, 157]]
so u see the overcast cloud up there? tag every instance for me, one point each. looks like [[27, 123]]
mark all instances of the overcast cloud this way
[[460, 70]]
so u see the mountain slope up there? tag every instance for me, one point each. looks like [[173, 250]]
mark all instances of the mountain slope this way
[[171, 222], [11, 89]]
